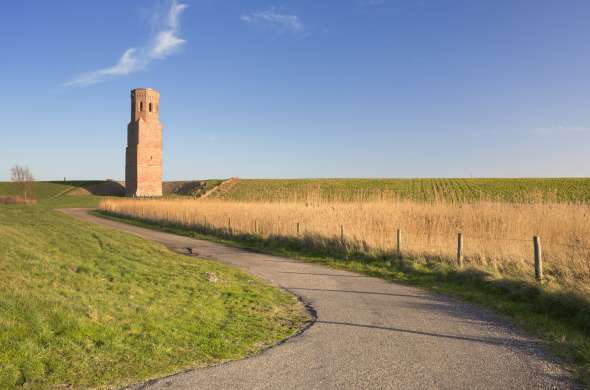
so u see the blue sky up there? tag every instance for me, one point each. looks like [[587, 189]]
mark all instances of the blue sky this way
[[307, 88]]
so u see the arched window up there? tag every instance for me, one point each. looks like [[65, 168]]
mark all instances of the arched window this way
[[150, 107], [140, 106]]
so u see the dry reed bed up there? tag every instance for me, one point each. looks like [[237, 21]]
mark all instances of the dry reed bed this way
[[497, 235]]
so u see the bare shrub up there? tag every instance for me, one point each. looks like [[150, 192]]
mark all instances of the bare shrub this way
[[24, 178]]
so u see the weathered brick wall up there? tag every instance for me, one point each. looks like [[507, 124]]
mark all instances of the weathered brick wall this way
[[143, 168]]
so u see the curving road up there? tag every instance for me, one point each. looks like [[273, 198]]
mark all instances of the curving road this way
[[369, 334]]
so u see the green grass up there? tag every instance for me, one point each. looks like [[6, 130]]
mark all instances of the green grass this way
[[86, 201], [456, 190], [560, 317], [84, 306], [55, 194], [44, 190]]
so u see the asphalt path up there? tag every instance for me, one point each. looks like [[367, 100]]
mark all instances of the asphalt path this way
[[368, 334]]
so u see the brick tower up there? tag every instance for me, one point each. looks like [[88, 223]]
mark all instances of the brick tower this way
[[143, 164]]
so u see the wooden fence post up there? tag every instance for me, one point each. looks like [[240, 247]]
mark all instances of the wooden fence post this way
[[229, 224], [538, 258], [255, 226], [399, 242], [341, 233], [297, 229], [460, 250]]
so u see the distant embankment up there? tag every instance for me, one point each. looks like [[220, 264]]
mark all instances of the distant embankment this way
[[561, 190], [550, 190], [52, 189]]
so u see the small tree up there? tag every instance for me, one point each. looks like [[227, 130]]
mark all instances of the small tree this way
[[24, 179]]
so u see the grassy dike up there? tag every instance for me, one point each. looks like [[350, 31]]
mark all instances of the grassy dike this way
[[556, 315], [83, 306]]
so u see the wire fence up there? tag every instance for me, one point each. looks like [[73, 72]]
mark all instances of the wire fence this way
[[500, 253], [497, 236]]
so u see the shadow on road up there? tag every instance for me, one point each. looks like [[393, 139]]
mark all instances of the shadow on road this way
[[485, 340], [359, 292]]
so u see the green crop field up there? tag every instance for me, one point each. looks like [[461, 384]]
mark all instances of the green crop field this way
[[83, 306], [454, 190]]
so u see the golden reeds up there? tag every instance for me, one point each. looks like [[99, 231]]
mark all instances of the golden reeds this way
[[496, 235]]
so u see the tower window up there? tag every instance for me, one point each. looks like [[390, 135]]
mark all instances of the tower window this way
[[140, 106], [150, 107]]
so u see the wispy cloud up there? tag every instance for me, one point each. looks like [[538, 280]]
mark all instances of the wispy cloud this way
[[165, 41], [275, 19], [128, 63]]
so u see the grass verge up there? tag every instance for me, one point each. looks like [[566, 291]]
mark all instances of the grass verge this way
[[65, 201], [557, 315], [83, 306]]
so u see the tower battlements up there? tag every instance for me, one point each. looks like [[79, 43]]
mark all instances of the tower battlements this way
[[143, 163]]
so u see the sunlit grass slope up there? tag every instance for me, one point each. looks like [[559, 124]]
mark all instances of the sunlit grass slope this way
[[88, 307], [48, 190], [42, 189], [66, 201]]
